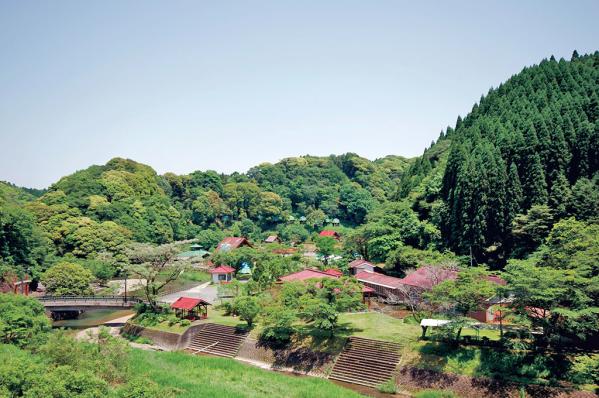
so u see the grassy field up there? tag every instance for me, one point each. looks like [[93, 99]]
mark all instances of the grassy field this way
[[197, 376]]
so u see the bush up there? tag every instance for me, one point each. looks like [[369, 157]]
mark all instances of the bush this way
[[388, 387], [435, 394], [585, 370], [23, 321]]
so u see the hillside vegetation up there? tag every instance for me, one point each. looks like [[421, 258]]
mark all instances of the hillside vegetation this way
[[488, 190]]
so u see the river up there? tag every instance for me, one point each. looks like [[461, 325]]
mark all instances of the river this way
[[91, 318]]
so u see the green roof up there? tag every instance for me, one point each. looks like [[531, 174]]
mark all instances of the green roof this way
[[194, 253]]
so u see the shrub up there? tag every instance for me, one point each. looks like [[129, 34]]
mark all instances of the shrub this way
[[388, 387], [23, 321], [435, 394], [67, 279], [585, 370]]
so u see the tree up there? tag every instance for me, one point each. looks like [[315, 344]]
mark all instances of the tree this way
[[247, 307], [278, 324], [531, 229], [67, 279], [23, 321], [156, 265], [325, 246], [555, 289], [466, 294], [584, 202]]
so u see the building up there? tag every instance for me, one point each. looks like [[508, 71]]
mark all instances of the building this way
[[232, 242], [360, 265], [195, 253], [222, 273], [330, 233], [383, 285], [306, 274], [333, 271], [191, 308], [272, 239]]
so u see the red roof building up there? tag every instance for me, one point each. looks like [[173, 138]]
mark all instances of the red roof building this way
[[330, 233], [428, 276], [232, 242], [222, 273], [334, 272], [361, 265], [272, 239], [306, 274], [191, 308]]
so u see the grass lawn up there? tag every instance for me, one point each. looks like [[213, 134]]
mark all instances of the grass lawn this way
[[198, 376], [374, 325]]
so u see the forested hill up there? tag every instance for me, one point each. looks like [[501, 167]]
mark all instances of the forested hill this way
[[529, 147], [491, 187]]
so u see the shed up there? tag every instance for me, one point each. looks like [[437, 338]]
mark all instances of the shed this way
[[222, 273], [272, 239], [191, 308], [232, 242]]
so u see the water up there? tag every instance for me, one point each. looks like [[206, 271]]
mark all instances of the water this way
[[91, 318]]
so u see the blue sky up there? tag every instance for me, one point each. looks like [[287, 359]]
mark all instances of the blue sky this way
[[195, 85]]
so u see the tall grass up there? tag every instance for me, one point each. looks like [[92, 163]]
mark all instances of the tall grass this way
[[197, 376]]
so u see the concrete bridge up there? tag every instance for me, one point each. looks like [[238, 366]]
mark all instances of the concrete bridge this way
[[82, 303]]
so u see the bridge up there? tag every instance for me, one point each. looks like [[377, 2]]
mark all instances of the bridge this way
[[81, 303]]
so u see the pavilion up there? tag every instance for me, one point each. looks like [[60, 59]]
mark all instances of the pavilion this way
[[191, 308]]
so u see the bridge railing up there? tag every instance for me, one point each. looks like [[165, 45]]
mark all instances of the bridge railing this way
[[119, 299]]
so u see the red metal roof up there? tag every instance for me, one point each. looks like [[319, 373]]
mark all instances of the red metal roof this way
[[222, 269], [333, 272], [233, 242], [271, 239], [379, 279], [188, 303], [329, 232], [360, 262], [305, 274]]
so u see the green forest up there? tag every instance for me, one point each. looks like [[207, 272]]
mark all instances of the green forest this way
[[513, 186], [488, 190]]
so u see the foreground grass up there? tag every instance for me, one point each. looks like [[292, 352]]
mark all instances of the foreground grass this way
[[198, 376]]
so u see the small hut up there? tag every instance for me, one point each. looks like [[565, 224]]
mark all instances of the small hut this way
[[272, 239], [191, 308], [222, 273]]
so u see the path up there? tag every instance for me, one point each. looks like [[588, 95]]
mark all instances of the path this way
[[204, 291]]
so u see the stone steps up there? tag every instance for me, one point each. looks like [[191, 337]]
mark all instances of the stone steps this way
[[366, 362], [218, 340]]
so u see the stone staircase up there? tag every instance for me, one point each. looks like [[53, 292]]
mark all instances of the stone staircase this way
[[366, 362], [214, 339]]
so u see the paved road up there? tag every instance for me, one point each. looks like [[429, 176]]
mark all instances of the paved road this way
[[204, 291]]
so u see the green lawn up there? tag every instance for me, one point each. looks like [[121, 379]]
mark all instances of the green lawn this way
[[199, 376], [374, 325]]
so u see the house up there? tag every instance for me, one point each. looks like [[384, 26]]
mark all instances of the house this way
[[306, 274], [330, 233], [330, 273], [191, 308], [232, 242], [272, 239], [383, 285], [426, 277], [222, 273], [360, 265], [195, 252]]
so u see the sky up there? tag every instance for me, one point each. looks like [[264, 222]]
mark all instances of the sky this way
[[226, 85]]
